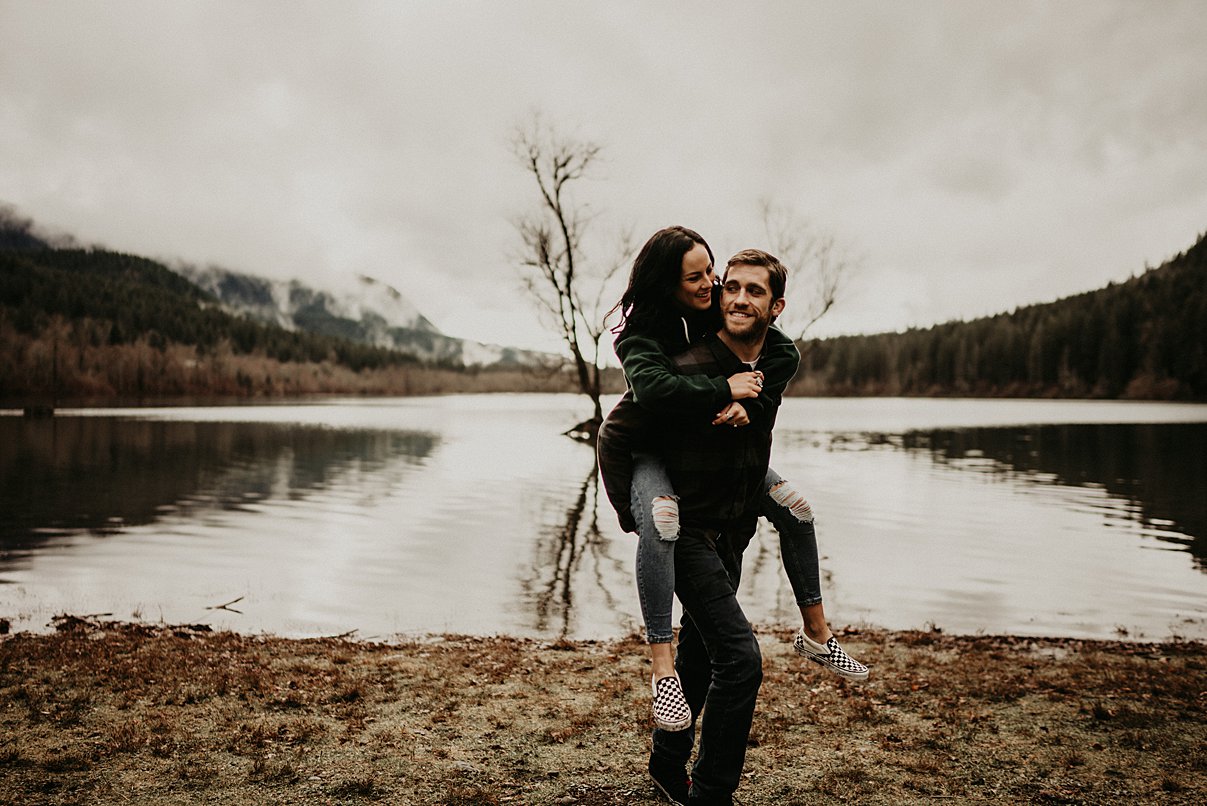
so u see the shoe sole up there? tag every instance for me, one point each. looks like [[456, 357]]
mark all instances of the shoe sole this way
[[836, 670], [673, 727]]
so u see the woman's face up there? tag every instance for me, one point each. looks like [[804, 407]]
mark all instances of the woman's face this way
[[694, 291]]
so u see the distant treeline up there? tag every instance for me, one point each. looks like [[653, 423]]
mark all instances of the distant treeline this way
[[89, 323], [1145, 338]]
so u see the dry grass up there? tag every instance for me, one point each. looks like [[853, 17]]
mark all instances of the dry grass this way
[[108, 713]]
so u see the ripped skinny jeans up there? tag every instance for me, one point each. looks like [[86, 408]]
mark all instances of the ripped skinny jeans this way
[[655, 508]]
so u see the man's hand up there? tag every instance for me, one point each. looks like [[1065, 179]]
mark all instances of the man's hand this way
[[745, 384], [734, 414]]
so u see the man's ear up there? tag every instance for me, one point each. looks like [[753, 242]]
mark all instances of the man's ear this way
[[777, 307]]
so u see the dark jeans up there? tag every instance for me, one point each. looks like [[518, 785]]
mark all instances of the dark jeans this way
[[718, 661]]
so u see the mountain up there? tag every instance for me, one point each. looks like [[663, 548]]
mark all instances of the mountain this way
[[368, 311], [88, 324], [108, 298]]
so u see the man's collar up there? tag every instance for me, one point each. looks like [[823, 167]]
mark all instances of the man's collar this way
[[725, 354], [762, 347]]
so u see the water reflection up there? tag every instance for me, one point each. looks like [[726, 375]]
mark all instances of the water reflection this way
[[472, 514], [561, 546], [101, 475], [1160, 470]]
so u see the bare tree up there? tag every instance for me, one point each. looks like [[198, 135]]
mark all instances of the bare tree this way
[[568, 287], [820, 268]]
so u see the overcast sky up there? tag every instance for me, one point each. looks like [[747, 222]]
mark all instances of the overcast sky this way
[[976, 156]]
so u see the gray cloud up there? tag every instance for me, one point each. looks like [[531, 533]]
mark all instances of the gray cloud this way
[[981, 155]]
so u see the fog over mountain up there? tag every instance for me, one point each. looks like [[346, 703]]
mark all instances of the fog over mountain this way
[[364, 310]]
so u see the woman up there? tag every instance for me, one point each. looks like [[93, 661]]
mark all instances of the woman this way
[[669, 304]]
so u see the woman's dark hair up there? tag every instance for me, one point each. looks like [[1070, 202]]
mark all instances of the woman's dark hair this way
[[647, 303]]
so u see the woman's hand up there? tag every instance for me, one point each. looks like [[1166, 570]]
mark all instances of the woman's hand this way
[[734, 414], [745, 384]]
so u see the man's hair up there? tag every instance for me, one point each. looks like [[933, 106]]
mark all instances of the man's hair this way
[[777, 272]]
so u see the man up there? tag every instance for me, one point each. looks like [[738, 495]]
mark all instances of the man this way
[[718, 473]]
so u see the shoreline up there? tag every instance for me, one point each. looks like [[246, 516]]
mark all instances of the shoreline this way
[[109, 712], [11, 626]]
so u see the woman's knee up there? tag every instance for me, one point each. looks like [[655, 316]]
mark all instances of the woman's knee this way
[[664, 510], [785, 495], [653, 499]]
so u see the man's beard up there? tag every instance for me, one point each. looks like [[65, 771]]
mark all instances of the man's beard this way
[[754, 331]]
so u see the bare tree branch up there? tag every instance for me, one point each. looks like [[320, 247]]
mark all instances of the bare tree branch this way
[[819, 269], [556, 272]]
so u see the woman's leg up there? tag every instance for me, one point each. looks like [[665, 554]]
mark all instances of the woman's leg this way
[[655, 509], [792, 517]]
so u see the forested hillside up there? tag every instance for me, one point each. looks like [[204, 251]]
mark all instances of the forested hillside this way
[[90, 323], [1145, 338], [132, 297]]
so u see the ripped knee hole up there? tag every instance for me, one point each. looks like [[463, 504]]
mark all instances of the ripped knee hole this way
[[666, 516], [787, 496]]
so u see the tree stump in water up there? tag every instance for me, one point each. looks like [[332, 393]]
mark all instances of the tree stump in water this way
[[587, 431]]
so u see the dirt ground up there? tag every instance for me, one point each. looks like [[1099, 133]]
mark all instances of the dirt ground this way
[[100, 713]]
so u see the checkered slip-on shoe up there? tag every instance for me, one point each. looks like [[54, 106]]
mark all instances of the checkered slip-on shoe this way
[[670, 706], [830, 655]]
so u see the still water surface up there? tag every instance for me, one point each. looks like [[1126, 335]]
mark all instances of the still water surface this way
[[471, 514]]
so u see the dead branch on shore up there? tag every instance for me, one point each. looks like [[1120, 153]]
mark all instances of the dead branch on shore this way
[[227, 606]]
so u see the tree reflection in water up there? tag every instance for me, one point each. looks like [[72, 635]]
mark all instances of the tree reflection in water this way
[[559, 554], [102, 475], [1159, 469]]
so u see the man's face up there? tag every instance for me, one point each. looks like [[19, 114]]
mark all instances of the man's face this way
[[746, 303]]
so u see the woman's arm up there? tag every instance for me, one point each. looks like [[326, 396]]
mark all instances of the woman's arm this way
[[658, 387]]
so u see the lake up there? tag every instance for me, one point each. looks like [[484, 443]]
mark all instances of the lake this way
[[472, 514]]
